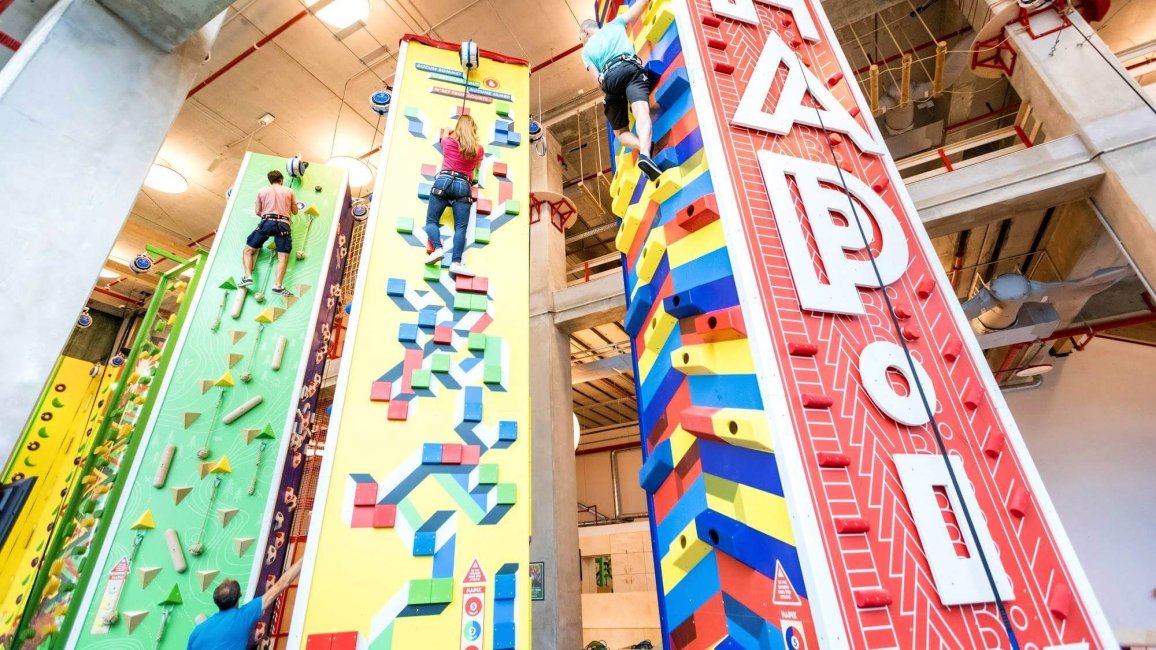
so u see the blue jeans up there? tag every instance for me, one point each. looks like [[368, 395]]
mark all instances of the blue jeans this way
[[454, 188]]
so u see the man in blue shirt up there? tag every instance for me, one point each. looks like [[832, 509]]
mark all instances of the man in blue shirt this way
[[230, 628], [609, 55]]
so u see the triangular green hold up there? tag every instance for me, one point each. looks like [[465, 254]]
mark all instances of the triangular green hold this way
[[57, 403], [229, 284], [174, 597], [43, 432], [267, 433], [146, 574]]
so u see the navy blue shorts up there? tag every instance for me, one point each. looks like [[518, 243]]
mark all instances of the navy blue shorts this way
[[280, 232]]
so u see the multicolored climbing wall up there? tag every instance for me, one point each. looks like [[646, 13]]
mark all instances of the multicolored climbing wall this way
[[420, 531], [52, 447], [202, 490], [83, 524], [799, 496]]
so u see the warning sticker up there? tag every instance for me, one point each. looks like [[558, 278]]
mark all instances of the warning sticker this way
[[784, 593]]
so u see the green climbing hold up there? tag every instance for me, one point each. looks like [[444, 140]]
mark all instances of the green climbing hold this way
[[174, 597], [405, 225], [476, 342], [432, 272], [440, 362], [229, 284], [267, 433], [56, 403], [43, 433]]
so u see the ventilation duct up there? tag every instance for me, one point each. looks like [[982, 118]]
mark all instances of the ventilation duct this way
[[1013, 309]]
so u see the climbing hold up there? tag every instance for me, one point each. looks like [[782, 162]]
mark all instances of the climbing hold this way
[[233, 358], [179, 493], [267, 433], [191, 418], [176, 552], [226, 380], [241, 410], [312, 211], [226, 515], [206, 577], [269, 315], [242, 544], [166, 461], [229, 284], [145, 521], [132, 620], [173, 597], [146, 574], [238, 335], [206, 384], [221, 466]]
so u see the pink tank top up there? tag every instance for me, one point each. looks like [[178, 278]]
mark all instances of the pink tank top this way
[[453, 161]]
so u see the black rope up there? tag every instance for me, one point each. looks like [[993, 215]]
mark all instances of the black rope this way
[[915, 376]]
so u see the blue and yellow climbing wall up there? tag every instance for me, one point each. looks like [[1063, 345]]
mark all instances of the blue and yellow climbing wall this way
[[201, 493], [728, 569], [420, 531]]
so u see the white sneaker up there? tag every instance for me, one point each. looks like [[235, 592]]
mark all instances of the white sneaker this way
[[457, 268], [436, 256]]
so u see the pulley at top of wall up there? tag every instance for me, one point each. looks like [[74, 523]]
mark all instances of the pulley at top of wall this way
[[141, 263], [360, 209], [296, 167], [84, 321], [469, 54], [537, 137], [380, 100]]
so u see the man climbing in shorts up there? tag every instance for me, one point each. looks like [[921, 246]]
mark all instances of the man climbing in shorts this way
[[276, 204], [609, 55]]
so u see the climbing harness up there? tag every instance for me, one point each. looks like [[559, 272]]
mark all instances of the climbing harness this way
[[914, 377]]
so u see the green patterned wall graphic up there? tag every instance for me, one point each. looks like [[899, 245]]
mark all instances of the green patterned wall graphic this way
[[198, 495]]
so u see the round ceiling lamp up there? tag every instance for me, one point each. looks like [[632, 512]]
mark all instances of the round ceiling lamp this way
[[360, 174], [1032, 371], [577, 432], [165, 179], [340, 14]]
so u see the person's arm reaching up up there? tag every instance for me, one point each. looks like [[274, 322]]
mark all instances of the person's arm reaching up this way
[[282, 584], [634, 12]]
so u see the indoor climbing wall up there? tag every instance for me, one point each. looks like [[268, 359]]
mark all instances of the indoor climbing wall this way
[[204, 485], [51, 448], [420, 531], [83, 523], [276, 548], [800, 496]]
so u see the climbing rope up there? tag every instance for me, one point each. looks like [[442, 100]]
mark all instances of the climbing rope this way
[[914, 376]]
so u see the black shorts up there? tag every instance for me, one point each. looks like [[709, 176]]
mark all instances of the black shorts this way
[[624, 83], [278, 230]]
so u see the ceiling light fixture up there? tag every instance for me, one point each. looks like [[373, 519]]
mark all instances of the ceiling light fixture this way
[[165, 179], [360, 174], [1032, 371], [108, 274], [340, 14]]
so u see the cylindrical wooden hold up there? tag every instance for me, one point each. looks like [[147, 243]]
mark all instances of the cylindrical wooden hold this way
[[279, 352], [162, 473], [176, 553], [873, 88], [940, 60], [235, 414], [905, 80], [239, 302]]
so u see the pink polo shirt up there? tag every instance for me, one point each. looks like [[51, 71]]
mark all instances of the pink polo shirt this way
[[276, 199], [453, 161]]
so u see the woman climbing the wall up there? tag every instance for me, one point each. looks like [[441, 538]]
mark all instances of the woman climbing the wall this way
[[461, 156]]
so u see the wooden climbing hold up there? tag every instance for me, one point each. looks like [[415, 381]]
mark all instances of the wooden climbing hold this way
[[241, 410], [132, 620], [226, 515], [146, 574], [176, 551], [238, 335], [191, 418], [242, 544], [179, 493], [206, 577], [162, 472], [233, 358]]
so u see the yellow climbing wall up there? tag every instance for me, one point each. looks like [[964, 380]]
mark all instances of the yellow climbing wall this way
[[420, 533], [54, 437]]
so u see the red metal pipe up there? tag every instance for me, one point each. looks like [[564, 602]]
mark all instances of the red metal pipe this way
[[1092, 330], [922, 46], [198, 240], [244, 55], [619, 447], [556, 58], [1009, 361]]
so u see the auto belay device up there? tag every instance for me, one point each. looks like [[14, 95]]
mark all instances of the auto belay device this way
[[296, 168], [469, 57], [379, 101]]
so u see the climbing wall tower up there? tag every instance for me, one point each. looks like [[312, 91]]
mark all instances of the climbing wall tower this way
[[420, 531], [800, 492], [204, 486]]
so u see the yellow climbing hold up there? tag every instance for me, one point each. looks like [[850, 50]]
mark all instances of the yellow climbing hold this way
[[270, 314], [312, 211], [226, 380], [145, 521], [221, 466]]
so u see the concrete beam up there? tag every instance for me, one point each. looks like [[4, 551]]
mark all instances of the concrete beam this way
[[1049, 174], [580, 373], [166, 23], [589, 304]]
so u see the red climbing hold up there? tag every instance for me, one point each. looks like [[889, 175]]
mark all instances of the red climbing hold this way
[[924, 288], [797, 349], [868, 598], [1017, 503], [831, 460], [993, 446], [723, 68], [711, 21], [817, 401], [952, 349], [973, 398], [851, 525]]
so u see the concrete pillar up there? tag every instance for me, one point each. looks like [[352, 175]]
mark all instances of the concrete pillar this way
[[1077, 86], [84, 107], [554, 541]]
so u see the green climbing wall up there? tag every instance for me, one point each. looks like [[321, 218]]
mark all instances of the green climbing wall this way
[[217, 490]]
